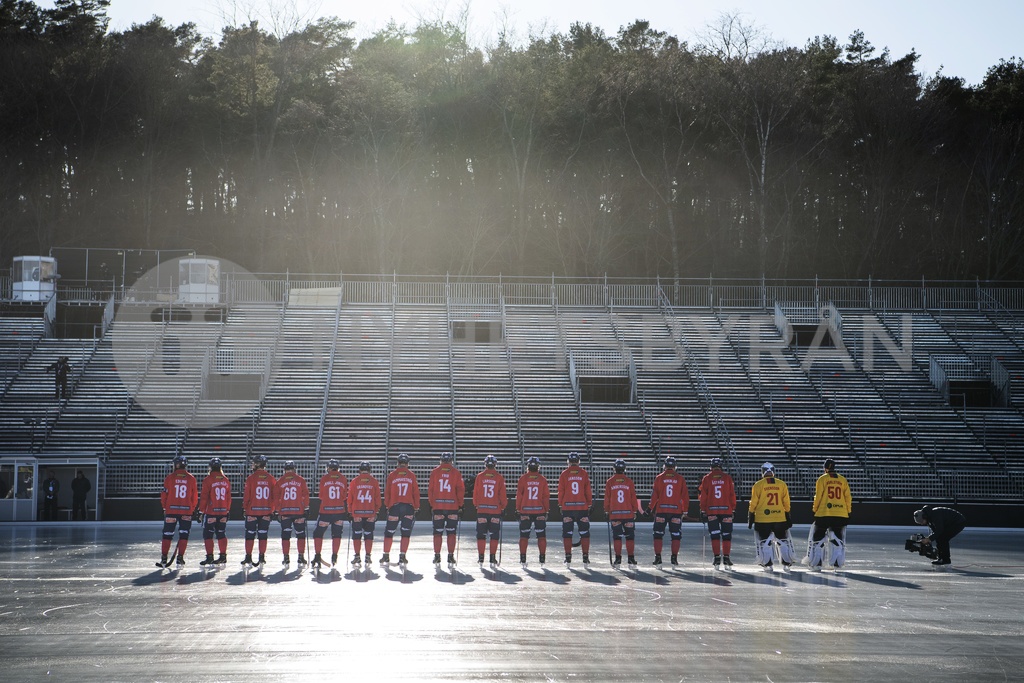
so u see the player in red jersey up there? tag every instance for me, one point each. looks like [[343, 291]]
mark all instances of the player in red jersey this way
[[489, 499], [402, 499], [363, 504], [670, 500], [333, 506], [258, 506], [291, 503], [215, 505], [178, 499], [533, 501], [620, 504], [575, 499], [717, 496], [446, 493]]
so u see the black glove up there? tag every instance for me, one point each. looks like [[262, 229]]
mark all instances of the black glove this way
[[703, 516], [648, 511], [461, 510], [789, 522], [750, 520]]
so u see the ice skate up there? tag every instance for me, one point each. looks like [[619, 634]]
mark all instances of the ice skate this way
[[367, 561], [494, 561], [727, 561], [451, 560], [317, 562], [522, 561], [286, 560], [302, 560], [334, 560], [617, 562], [480, 559], [262, 561], [631, 562], [586, 559], [787, 567], [437, 559], [209, 561], [357, 563], [402, 561], [541, 559], [181, 561], [657, 560], [675, 560], [385, 560], [163, 562], [222, 559], [767, 566], [717, 562], [247, 561]]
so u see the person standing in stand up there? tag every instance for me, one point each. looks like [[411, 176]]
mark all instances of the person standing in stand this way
[[446, 492], [620, 504], [291, 502], [363, 504], [60, 368], [533, 502], [51, 488], [831, 508], [178, 500], [489, 499], [402, 499], [717, 495], [333, 506], [670, 500], [575, 500], [215, 506], [80, 488], [258, 507]]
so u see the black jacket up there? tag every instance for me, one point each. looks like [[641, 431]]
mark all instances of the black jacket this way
[[944, 520]]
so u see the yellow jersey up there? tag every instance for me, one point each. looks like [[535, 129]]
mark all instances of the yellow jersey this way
[[831, 496], [769, 500]]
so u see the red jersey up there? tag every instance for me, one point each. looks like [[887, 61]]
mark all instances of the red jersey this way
[[447, 489], [402, 487], [215, 499], [669, 494], [291, 495], [574, 493], [258, 499], [489, 495], [620, 497], [179, 496], [717, 493], [532, 494], [364, 495], [333, 493]]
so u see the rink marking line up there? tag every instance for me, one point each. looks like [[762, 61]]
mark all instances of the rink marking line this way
[[46, 613], [725, 601]]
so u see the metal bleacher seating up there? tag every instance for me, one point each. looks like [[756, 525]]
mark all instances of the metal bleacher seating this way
[[375, 373]]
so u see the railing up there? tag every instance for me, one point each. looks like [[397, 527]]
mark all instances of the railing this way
[[451, 367], [327, 381]]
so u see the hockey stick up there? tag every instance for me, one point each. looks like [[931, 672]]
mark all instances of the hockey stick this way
[[703, 544], [611, 560]]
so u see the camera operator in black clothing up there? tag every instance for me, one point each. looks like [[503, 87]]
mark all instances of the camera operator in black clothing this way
[[945, 523]]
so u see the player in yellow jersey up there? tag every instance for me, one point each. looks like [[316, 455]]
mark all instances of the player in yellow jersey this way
[[831, 513], [769, 517]]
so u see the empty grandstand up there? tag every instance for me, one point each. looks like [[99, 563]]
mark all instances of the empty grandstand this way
[[913, 389]]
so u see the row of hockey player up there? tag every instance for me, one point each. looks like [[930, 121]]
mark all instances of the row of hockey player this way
[[288, 499]]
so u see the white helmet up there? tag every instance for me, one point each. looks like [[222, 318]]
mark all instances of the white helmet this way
[[767, 468]]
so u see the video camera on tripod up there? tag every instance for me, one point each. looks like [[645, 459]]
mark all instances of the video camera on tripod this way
[[914, 544]]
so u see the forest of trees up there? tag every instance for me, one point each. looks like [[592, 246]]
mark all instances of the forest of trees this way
[[584, 153]]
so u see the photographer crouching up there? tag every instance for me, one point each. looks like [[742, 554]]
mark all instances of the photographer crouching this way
[[945, 523]]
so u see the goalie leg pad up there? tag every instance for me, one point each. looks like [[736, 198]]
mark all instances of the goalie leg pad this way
[[764, 551], [838, 542]]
